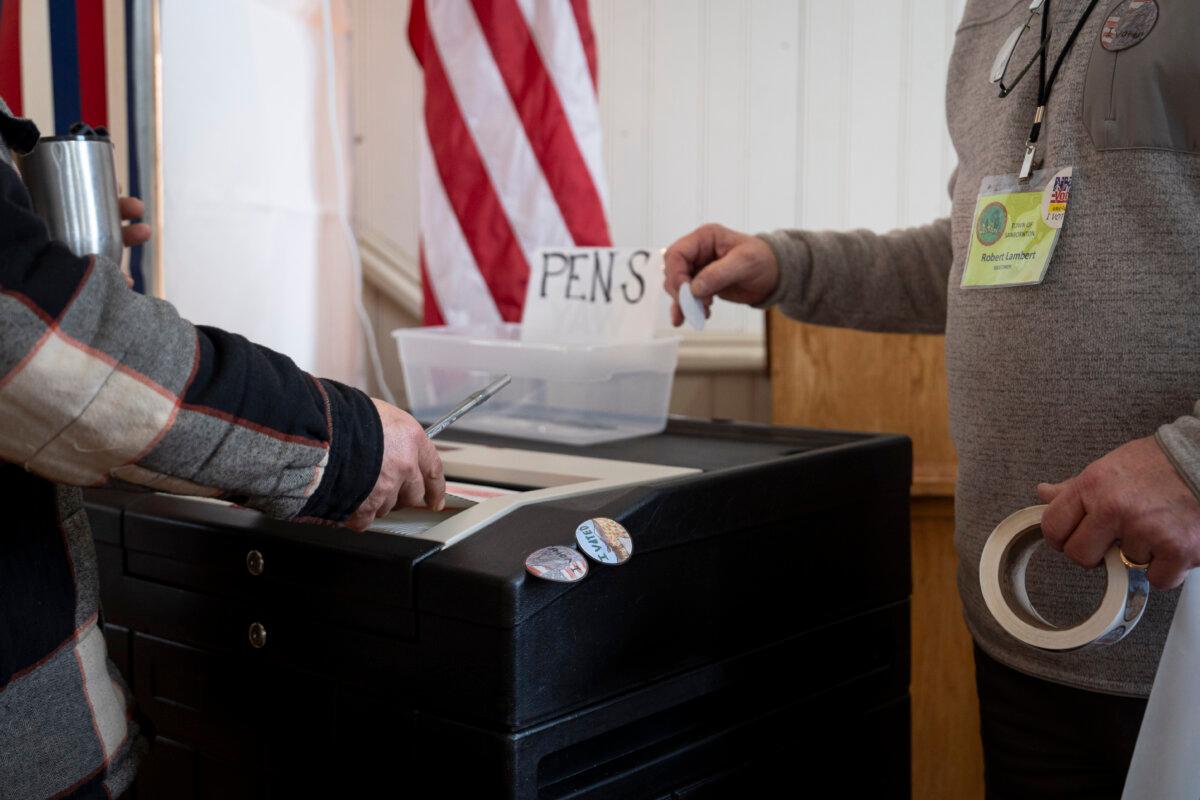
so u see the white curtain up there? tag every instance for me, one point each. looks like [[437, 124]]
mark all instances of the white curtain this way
[[251, 233]]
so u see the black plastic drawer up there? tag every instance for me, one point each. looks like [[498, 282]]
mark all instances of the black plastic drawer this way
[[362, 581]]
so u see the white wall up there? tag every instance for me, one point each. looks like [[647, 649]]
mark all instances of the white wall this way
[[770, 114], [251, 238], [386, 99], [759, 114]]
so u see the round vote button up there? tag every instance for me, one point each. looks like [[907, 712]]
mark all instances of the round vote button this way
[[557, 563], [604, 540], [1129, 23]]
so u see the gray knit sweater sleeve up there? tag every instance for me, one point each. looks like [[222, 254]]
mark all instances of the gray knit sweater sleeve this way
[[892, 282], [1181, 442]]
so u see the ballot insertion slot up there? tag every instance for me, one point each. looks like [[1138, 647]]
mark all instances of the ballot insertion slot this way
[[460, 495], [485, 483]]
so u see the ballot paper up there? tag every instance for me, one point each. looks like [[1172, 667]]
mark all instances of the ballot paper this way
[[469, 494], [693, 309], [586, 295], [1165, 759]]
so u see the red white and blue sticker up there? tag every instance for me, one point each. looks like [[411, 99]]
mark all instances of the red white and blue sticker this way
[[557, 563], [1128, 23], [604, 540], [1054, 198]]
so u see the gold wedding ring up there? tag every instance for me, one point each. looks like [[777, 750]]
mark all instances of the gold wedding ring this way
[[1131, 564]]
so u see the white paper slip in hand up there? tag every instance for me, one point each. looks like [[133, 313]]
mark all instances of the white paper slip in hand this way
[[693, 309]]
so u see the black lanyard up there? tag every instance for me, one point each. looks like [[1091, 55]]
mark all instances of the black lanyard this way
[[1046, 84]]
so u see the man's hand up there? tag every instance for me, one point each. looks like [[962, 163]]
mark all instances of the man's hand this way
[[411, 472], [138, 232], [736, 267], [1132, 497]]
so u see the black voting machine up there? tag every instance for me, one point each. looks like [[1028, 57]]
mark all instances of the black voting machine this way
[[758, 638]]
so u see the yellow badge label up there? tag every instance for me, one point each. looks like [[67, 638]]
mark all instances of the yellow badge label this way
[[1015, 229]]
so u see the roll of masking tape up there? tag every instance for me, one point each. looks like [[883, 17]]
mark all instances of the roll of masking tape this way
[[1002, 568]]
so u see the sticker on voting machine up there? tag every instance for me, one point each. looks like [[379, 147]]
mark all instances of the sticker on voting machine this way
[[1016, 228], [584, 295]]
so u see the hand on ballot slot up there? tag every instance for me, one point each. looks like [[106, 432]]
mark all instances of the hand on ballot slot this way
[[410, 473], [719, 262]]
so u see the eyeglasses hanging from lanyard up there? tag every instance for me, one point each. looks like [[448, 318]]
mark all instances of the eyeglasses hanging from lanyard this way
[[1037, 8], [1000, 65]]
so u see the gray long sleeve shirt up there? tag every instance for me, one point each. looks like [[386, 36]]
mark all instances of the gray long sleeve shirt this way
[[1045, 379]]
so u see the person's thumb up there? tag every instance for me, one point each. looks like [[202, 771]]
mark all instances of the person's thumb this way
[[1048, 491], [721, 274]]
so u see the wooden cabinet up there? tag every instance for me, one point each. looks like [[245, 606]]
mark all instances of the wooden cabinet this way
[[831, 378]]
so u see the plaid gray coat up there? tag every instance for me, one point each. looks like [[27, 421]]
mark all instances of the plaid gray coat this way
[[102, 386]]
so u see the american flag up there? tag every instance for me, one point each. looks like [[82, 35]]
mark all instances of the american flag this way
[[64, 61], [511, 154]]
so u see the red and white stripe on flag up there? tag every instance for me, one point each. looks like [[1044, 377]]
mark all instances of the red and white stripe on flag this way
[[511, 157], [62, 62]]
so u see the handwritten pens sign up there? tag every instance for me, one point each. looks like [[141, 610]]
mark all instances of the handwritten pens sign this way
[[593, 294]]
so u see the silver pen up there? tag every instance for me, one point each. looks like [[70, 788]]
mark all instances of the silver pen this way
[[466, 405]]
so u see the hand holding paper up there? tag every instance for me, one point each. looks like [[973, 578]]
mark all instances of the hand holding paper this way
[[410, 473], [719, 262]]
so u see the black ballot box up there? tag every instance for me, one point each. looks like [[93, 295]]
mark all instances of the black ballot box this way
[[755, 644]]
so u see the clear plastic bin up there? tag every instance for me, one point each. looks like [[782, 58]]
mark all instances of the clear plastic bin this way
[[570, 393]]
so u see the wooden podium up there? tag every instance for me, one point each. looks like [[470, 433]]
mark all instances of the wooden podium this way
[[832, 378]]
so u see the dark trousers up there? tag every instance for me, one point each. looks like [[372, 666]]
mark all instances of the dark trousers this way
[[1045, 740]]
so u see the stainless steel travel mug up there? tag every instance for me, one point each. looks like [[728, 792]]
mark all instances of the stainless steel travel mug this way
[[73, 183]]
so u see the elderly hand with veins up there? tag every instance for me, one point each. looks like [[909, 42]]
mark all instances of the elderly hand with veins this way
[[1132, 497]]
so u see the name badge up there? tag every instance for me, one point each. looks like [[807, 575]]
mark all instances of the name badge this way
[[1016, 228]]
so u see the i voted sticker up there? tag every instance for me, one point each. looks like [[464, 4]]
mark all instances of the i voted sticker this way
[[604, 540], [1129, 23], [557, 563], [1054, 198]]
